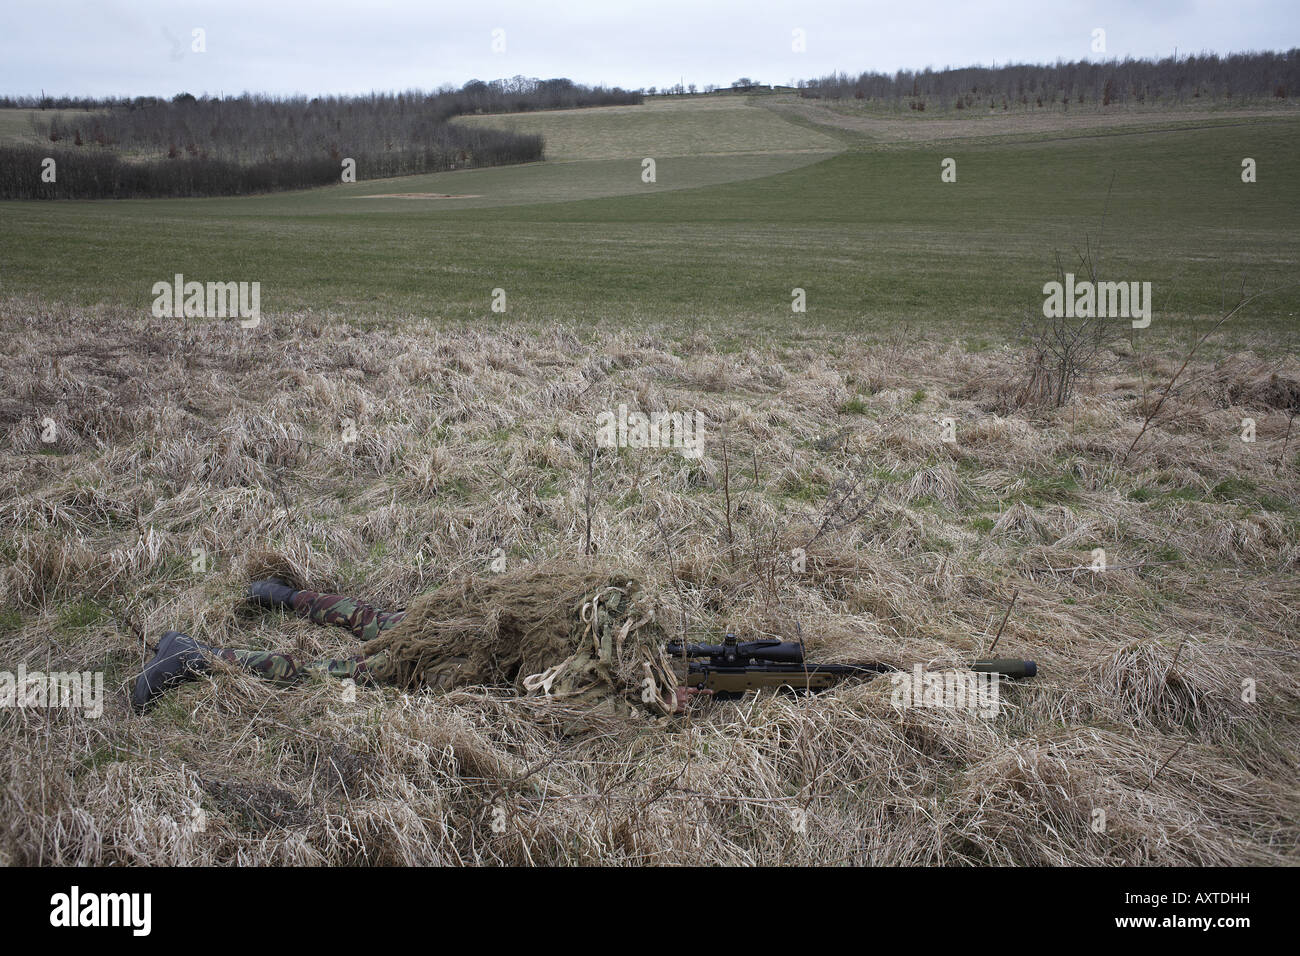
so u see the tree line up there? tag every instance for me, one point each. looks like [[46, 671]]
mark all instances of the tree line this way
[[208, 146], [1173, 79], [516, 94]]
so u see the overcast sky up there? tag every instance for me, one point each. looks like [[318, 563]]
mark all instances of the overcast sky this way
[[115, 47]]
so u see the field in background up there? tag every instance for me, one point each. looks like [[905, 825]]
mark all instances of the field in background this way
[[474, 431], [876, 125], [698, 126], [873, 236], [16, 125]]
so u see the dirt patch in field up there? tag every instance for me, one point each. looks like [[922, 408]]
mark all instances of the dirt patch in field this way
[[418, 196]]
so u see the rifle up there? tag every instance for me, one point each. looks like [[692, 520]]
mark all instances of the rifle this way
[[732, 668]]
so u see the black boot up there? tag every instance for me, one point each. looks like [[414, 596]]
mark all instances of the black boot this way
[[271, 593], [179, 658]]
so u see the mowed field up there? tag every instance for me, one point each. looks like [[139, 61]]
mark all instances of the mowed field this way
[[828, 504]]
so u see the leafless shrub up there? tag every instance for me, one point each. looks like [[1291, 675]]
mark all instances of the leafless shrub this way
[[1062, 352]]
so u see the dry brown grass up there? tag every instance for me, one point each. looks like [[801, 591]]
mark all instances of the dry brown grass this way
[[471, 441]]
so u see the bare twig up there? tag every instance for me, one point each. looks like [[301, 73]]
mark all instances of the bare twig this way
[[1285, 443], [591, 467], [998, 636], [672, 568], [1241, 304], [726, 493], [1163, 765]]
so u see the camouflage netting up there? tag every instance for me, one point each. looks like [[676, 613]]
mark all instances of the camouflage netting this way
[[580, 632]]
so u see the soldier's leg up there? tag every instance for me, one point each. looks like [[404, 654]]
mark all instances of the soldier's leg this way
[[363, 620], [179, 658], [284, 669]]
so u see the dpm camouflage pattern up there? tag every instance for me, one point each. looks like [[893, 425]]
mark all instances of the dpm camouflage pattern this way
[[363, 620], [283, 669]]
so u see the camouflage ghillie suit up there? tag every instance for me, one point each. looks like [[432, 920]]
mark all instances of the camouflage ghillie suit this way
[[363, 620], [579, 633], [575, 634]]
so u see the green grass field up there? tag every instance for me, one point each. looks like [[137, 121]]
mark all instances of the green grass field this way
[[872, 235]]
